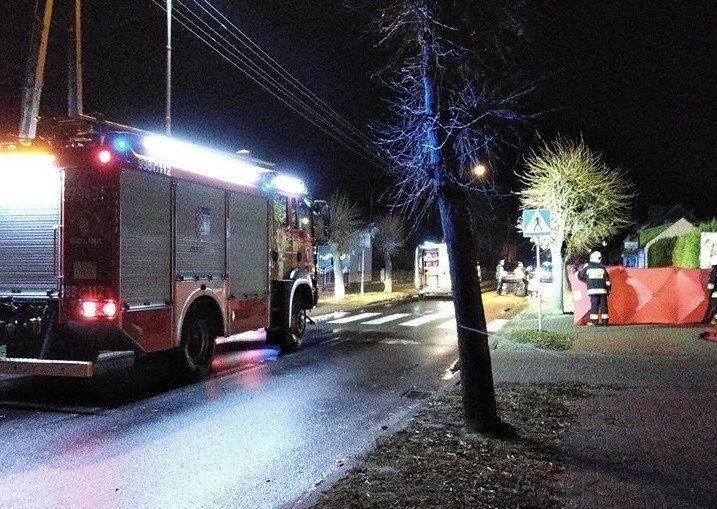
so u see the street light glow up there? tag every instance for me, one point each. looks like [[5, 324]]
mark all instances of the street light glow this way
[[479, 170]]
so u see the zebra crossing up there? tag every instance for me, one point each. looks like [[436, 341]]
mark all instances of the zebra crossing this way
[[441, 319]]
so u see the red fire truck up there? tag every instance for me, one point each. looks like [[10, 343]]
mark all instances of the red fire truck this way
[[116, 239]]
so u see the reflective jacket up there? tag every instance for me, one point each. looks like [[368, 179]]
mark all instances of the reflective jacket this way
[[596, 277], [712, 284]]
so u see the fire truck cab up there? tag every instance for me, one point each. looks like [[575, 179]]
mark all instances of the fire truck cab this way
[[116, 239]]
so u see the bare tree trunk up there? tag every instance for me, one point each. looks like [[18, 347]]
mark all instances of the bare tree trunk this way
[[388, 277], [556, 298], [479, 406], [339, 287]]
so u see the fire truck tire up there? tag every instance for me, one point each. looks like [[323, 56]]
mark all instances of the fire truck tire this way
[[196, 350], [297, 326]]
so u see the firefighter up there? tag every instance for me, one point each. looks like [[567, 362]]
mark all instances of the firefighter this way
[[500, 274], [521, 280], [711, 316], [595, 275]]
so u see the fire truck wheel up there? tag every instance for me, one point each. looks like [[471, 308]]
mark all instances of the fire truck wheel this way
[[197, 347], [297, 328]]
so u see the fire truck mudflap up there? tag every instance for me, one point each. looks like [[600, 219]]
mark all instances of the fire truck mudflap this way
[[32, 342]]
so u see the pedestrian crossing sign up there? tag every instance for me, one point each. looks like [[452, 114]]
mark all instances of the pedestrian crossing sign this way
[[536, 223]]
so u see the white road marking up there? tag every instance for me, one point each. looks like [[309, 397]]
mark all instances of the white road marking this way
[[386, 319], [340, 317], [421, 320], [354, 318], [492, 326], [450, 324], [396, 341], [329, 316], [335, 341]]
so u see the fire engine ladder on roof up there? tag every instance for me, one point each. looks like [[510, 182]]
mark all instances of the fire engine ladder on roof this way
[[35, 72]]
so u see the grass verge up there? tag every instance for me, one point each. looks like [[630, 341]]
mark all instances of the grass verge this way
[[551, 340], [436, 462]]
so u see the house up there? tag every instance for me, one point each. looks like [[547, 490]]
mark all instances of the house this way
[[661, 224], [356, 261]]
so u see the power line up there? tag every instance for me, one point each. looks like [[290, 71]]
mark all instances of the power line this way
[[293, 80], [223, 37]]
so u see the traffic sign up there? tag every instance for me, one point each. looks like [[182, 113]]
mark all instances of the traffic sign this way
[[536, 223]]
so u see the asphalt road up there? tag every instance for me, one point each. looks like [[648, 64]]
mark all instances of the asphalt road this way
[[263, 431]]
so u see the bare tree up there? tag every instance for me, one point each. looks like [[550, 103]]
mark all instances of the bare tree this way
[[588, 201], [451, 77], [346, 224], [390, 236]]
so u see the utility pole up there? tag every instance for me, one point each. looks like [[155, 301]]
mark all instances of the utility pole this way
[[34, 76], [168, 117], [74, 81]]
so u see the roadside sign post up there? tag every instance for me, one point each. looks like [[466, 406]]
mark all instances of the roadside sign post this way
[[540, 297], [536, 223]]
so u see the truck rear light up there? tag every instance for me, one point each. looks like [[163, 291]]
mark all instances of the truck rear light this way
[[98, 309], [104, 156], [109, 309]]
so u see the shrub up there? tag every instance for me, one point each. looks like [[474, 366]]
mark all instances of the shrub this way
[[660, 253], [686, 253], [650, 233]]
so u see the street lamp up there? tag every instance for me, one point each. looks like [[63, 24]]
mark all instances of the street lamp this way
[[479, 170]]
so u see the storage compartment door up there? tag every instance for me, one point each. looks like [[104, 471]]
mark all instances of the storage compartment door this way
[[29, 216], [201, 234], [248, 262], [146, 239]]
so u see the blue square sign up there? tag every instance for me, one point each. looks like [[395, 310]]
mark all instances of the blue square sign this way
[[536, 223]]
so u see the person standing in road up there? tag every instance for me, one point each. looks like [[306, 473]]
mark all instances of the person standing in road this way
[[595, 275], [711, 316], [521, 283], [500, 276]]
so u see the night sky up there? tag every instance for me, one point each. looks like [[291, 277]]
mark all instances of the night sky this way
[[637, 79]]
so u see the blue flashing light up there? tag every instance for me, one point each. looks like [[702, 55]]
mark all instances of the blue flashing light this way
[[121, 144]]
